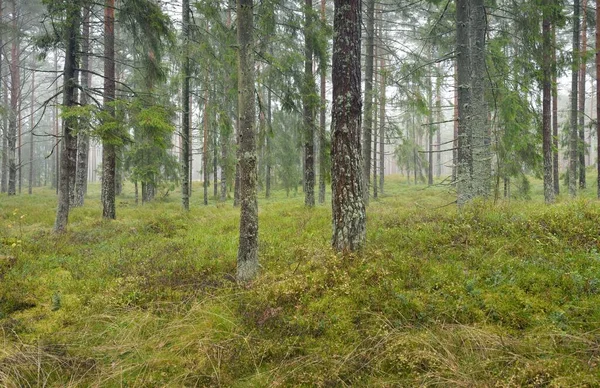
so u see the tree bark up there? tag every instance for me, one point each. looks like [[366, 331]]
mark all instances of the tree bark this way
[[31, 124], [573, 134], [463, 73], [309, 109], [382, 102], [348, 208], [546, 113], [480, 142], [368, 111], [109, 151], [247, 258], [582, 76], [14, 105], [205, 171], [185, 120], [83, 138], [598, 94], [73, 20], [322, 119], [430, 127], [4, 168], [555, 172]]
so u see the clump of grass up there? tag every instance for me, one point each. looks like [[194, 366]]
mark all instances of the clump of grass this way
[[499, 294]]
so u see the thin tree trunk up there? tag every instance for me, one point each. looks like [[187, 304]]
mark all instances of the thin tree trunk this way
[[56, 131], [598, 94], [368, 111], [268, 145], [205, 175], [573, 135], [555, 173], [109, 151], [375, 127], [185, 120], [455, 160], [438, 110], [73, 20], [430, 125], [14, 105], [215, 163], [4, 171], [19, 126], [480, 142], [31, 124], [382, 102], [83, 138], [247, 258], [546, 113], [463, 73], [348, 208], [322, 113], [309, 109], [582, 76]]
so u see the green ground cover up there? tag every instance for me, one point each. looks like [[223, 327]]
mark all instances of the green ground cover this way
[[504, 294]]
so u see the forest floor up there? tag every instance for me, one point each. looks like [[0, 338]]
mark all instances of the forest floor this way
[[504, 294]]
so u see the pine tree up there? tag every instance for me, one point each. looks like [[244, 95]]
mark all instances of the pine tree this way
[[349, 218], [247, 258]]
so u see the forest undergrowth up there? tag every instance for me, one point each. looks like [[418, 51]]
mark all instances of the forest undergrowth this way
[[498, 295]]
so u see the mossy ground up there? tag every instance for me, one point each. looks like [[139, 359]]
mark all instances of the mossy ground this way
[[504, 294]]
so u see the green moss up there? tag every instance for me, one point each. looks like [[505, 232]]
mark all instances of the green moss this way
[[495, 295]]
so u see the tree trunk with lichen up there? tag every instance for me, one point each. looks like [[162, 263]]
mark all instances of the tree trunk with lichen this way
[[349, 219], [573, 134], [546, 106], [247, 259], [109, 149], [73, 20], [368, 111], [308, 97], [83, 139]]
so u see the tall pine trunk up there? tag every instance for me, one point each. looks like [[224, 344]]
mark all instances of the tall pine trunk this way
[[4, 166], [598, 93], [31, 125], [205, 171], [480, 142], [14, 105], [109, 151], [347, 169], [322, 113], [463, 73], [247, 258], [185, 120], [546, 97], [582, 77], [368, 111], [309, 109], [555, 173], [73, 21], [83, 138], [382, 102], [573, 134]]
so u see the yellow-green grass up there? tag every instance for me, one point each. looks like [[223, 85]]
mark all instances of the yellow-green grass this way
[[504, 294]]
